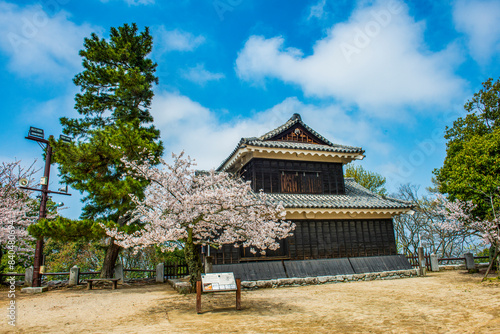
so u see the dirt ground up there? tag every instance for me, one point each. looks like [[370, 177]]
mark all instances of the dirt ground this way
[[445, 302]]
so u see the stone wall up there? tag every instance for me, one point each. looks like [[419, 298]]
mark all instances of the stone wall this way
[[386, 275]]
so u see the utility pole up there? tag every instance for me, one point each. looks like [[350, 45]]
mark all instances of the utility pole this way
[[37, 135]]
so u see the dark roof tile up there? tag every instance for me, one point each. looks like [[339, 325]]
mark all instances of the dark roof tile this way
[[356, 197]]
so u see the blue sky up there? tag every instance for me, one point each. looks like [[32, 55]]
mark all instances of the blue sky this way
[[388, 76]]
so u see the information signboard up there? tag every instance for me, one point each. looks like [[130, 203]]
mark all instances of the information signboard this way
[[218, 282]]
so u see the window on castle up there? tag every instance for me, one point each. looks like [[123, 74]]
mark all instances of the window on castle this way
[[301, 182]]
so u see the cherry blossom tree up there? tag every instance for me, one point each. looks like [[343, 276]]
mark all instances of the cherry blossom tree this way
[[459, 216], [201, 208], [17, 210]]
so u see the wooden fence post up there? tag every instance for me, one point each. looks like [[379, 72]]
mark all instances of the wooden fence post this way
[[238, 294], [198, 297]]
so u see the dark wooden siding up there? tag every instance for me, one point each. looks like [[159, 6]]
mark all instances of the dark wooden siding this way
[[324, 239], [342, 238], [311, 177]]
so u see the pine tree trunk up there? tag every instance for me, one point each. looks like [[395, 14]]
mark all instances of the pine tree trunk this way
[[193, 259], [108, 267]]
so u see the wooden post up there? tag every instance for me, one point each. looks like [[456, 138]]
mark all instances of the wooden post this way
[[238, 294], [198, 297]]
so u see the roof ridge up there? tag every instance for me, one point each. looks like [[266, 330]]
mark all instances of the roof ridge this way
[[295, 119]]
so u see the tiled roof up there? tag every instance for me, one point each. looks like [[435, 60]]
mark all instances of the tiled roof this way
[[291, 122], [356, 197], [301, 146], [263, 141]]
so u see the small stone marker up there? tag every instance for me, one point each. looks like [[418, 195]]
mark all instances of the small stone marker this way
[[160, 273], [469, 261], [28, 276], [421, 262], [119, 272], [434, 262], [39, 289], [209, 264], [74, 276]]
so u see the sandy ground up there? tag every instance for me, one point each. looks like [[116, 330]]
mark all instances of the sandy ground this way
[[445, 302]]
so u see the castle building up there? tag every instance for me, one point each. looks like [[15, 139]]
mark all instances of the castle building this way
[[335, 217]]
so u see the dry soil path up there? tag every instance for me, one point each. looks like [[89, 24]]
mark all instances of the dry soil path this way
[[446, 302]]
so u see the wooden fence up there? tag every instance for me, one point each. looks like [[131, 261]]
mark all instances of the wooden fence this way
[[172, 270], [176, 269], [413, 259]]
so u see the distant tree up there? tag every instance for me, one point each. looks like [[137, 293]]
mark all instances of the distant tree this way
[[62, 255], [425, 228], [459, 216], [201, 209], [370, 180], [116, 93], [471, 170]]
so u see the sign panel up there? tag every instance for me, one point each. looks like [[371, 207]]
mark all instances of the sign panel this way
[[218, 282]]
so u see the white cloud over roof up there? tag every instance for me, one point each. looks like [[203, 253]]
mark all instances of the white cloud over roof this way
[[377, 59], [187, 125]]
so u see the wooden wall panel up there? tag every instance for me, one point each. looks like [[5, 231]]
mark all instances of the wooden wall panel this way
[[319, 239], [274, 176]]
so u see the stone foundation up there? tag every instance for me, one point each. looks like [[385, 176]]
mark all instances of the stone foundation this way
[[180, 285], [386, 275], [460, 266]]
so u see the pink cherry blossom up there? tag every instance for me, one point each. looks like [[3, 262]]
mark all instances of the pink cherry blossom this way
[[16, 208], [458, 216], [215, 208]]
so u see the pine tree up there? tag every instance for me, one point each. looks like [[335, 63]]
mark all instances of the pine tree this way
[[115, 124]]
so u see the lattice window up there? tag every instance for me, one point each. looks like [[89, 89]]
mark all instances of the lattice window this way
[[301, 182]]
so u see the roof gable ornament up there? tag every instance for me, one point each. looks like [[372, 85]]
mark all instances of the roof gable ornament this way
[[299, 134], [286, 132], [293, 140]]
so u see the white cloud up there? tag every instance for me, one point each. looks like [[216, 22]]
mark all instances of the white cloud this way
[[479, 20], [140, 2], [377, 60], [318, 10], [135, 2], [200, 75], [176, 40], [187, 125], [41, 43]]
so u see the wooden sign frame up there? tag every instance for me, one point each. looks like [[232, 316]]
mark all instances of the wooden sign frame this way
[[210, 283]]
